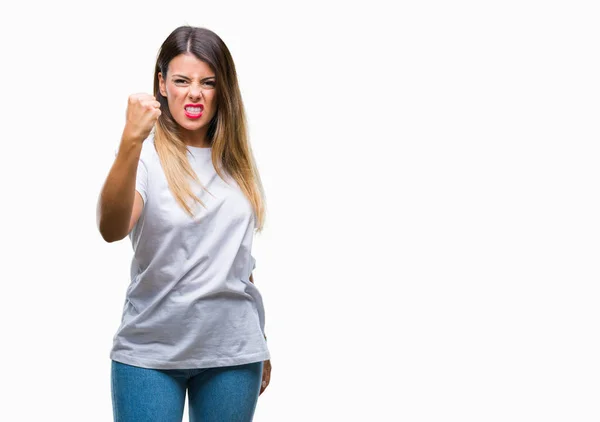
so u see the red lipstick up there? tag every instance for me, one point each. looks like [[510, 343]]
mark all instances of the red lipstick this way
[[194, 111]]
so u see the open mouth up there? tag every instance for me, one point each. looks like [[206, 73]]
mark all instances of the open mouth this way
[[194, 111]]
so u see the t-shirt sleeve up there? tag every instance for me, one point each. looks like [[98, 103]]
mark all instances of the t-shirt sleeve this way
[[141, 178]]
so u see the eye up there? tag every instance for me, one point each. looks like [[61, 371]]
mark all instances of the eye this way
[[209, 83], [180, 81]]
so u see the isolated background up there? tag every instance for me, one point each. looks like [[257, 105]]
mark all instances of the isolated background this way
[[431, 170]]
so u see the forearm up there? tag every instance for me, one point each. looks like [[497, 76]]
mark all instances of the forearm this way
[[116, 199]]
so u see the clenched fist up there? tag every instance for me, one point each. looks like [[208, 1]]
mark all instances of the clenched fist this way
[[142, 112]]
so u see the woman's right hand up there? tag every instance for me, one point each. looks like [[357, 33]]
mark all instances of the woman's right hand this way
[[142, 113]]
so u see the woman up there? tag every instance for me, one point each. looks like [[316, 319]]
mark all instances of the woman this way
[[189, 196]]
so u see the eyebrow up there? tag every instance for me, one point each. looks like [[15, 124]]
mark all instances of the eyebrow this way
[[185, 77]]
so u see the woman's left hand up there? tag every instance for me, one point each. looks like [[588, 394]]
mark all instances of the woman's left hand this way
[[266, 376]]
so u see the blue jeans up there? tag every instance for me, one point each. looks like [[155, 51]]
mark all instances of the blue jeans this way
[[227, 393]]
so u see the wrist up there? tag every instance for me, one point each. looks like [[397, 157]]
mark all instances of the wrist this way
[[130, 138]]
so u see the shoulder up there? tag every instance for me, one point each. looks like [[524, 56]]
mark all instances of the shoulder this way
[[230, 181]]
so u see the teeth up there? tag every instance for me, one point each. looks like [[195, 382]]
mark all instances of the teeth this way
[[194, 109]]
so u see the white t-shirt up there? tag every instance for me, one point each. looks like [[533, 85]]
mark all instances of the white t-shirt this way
[[190, 303]]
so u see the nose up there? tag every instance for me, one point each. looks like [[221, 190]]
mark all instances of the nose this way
[[195, 92]]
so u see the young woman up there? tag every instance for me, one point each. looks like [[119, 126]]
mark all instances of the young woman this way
[[189, 196]]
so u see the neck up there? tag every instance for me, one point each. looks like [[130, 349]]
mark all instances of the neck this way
[[196, 138]]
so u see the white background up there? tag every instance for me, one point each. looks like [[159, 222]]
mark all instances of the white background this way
[[431, 170]]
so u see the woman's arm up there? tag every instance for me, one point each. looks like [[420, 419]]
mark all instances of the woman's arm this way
[[119, 205]]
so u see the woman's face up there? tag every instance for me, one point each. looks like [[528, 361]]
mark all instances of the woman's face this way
[[189, 86]]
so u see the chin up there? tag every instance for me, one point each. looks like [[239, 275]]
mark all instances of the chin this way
[[186, 124]]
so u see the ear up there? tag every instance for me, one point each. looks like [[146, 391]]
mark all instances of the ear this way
[[161, 84]]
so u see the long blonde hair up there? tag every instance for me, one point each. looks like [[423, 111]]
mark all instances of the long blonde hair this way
[[227, 131]]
